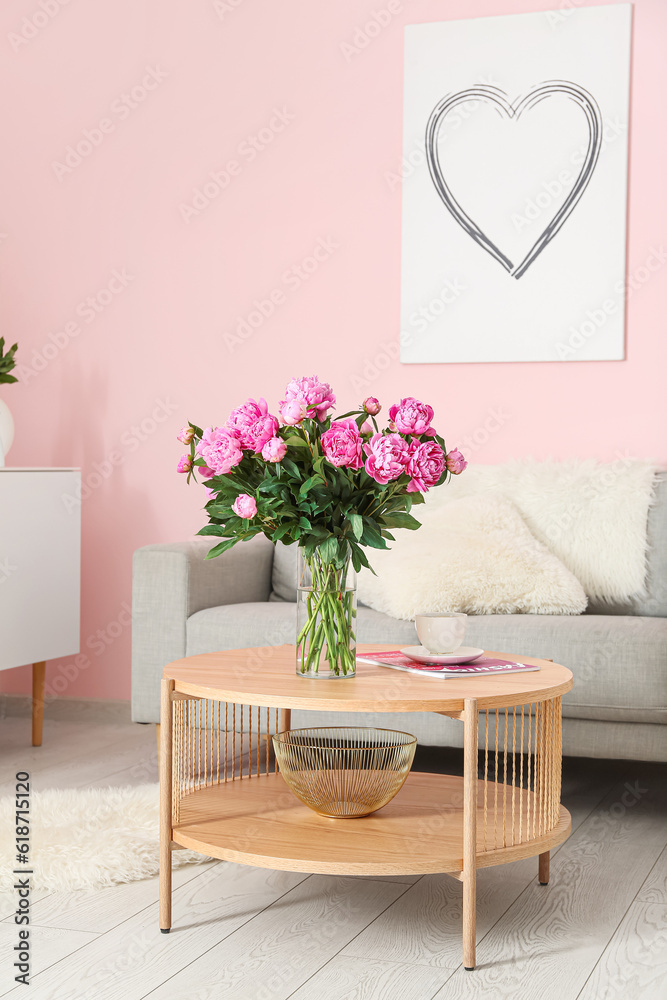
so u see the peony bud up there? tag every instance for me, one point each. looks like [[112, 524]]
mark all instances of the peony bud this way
[[456, 463], [245, 506], [372, 406], [186, 435], [274, 450], [292, 411]]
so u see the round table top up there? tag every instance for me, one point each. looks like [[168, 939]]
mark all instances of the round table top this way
[[266, 676]]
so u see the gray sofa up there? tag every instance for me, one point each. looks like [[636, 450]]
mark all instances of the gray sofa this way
[[183, 605]]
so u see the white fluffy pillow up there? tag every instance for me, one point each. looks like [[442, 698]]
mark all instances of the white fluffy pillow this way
[[474, 555], [591, 514]]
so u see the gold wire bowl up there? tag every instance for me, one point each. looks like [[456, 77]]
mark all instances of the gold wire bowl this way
[[344, 772]]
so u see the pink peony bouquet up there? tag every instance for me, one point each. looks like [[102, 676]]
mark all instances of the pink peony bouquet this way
[[333, 486]]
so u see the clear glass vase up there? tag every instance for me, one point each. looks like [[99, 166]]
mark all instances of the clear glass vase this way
[[326, 618]]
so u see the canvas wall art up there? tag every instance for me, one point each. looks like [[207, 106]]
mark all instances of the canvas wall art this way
[[514, 218]]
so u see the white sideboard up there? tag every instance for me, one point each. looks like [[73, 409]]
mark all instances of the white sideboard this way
[[40, 571]]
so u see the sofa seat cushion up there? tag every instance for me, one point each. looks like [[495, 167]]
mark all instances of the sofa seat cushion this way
[[619, 663]]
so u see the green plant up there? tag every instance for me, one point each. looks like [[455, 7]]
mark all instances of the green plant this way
[[7, 362]]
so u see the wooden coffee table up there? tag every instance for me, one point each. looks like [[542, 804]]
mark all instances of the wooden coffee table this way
[[221, 795]]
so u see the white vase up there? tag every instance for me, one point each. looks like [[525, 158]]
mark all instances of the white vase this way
[[6, 430]]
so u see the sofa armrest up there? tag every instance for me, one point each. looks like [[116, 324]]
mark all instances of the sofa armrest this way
[[173, 581]]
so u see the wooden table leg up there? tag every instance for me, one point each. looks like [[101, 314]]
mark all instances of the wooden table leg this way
[[544, 868], [470, 723], [165, 805], [38, 676], [285, 719]]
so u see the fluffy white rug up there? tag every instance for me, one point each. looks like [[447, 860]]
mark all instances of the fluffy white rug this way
[[474, 555], [590, 514], [87, 838]]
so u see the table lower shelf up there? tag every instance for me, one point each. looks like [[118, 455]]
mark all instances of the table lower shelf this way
[[258, 821]]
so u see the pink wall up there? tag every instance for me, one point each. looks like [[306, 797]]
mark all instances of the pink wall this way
[[117, 383]]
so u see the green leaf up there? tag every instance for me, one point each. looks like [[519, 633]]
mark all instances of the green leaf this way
[[269, 486], [318, 533], [400, 520], [360, 557], [291, 467], [327, 549], [217, 550], [218, 509], [371, 535], [281, 531], [357, 524]]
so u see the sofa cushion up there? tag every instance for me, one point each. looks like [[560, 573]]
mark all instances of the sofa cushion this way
[[592, 515], [653, 602], [619, 664], [283, 579], [475, 555]]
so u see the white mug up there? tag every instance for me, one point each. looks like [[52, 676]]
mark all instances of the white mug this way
[[441, 632]]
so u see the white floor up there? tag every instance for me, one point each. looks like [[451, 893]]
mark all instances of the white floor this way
[[597, 932]]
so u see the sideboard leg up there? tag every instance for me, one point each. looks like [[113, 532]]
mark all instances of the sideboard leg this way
[[470, 723], [38, 676], [544, 868], [165, 805]]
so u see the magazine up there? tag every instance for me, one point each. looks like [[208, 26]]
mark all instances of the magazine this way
[[480, 667]]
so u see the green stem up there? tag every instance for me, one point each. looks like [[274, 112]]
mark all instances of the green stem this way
[[330, 611]]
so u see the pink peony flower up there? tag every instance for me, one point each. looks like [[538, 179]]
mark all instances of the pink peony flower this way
[[252, 424], [292, 412], [387, 457], [245, 506], [456, 463], [412, 417], [204, 471], [342, 444], [186, 435], [372, 406], [274, 450], [264, 429], [220, 449], [366, 427], [184, 464], [317, 397], [426, 463]]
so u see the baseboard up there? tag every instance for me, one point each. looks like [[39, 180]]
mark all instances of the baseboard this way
[[68, 709]]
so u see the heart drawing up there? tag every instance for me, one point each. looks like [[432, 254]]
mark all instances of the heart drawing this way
[[513, 111]]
